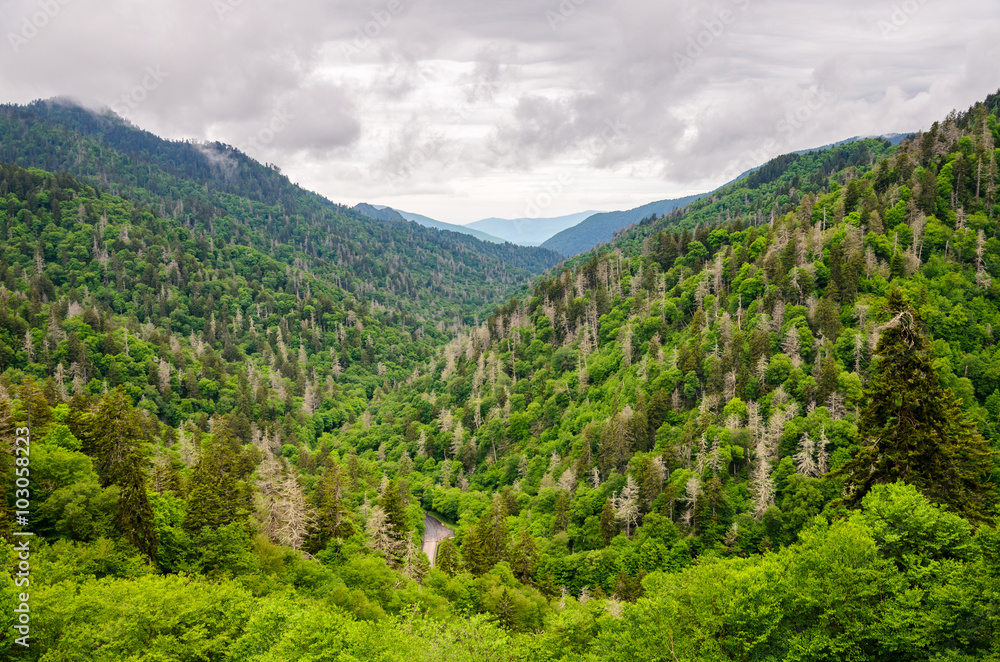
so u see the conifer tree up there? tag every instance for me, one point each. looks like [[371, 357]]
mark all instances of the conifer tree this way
[[561, 522], [34, 408], [113, 436], [395, 515], [333, 517], [524, 556], [220, 493], [913, 429], [829, 372], [486, 544], [446, 559], [609, 523]]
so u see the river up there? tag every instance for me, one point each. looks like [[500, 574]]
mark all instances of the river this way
[[434, 532]]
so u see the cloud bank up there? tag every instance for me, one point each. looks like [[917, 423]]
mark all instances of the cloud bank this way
[[465, 110]]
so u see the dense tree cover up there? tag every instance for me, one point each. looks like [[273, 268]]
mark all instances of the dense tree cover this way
[[645, 457], [221, 194], [914, 430]]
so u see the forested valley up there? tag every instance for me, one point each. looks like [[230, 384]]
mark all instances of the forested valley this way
[[762, 427]]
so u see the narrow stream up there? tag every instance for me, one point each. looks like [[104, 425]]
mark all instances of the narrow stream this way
[[434, 532]]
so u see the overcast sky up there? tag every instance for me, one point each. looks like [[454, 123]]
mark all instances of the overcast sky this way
[[462, 110]]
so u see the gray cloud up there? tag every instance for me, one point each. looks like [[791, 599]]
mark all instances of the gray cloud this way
[[455, 108]]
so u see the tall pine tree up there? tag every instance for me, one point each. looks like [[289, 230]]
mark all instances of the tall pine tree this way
[[609, 522], [913, 429], [221, 491], [334, 519], [114, 438], [395, 514], [487, 544], [447, 559], [524, 557]]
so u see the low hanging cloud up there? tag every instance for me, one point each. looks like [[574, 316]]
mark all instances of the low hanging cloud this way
[[420, 103]]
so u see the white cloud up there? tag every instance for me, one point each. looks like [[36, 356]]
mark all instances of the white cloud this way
[[465, 110]]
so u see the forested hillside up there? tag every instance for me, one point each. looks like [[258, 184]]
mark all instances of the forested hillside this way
[[762, 428], [217, 191], [603, 226]]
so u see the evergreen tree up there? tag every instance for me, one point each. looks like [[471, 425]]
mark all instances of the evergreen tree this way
[[334, 517], [609, 522], [486, 544], [221, 491], [34, 407], [828, 375], [446, 558], [896, 265], [914, 430], [561, 522], [524, 556], [113, 435], [616, 443], [667, 250], [395, 514]]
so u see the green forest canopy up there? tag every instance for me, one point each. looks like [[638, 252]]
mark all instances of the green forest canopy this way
[[643, 455]]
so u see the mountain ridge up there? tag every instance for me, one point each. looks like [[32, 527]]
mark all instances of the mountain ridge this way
[[601, 228], [530, 231], [232, 454], [375, 210]]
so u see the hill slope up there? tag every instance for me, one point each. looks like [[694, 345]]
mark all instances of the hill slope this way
[[375, 210], [643, 450], [220, 192], [601, 228]]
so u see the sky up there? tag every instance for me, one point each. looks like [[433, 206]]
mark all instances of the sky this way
[[463, 110]]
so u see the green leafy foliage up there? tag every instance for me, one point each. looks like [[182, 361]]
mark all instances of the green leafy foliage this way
[[243, 400]]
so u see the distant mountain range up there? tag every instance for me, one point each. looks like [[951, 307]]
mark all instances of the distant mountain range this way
[[575, 233], [530, 231], [521, 231], [383, 213], [601, 228]]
